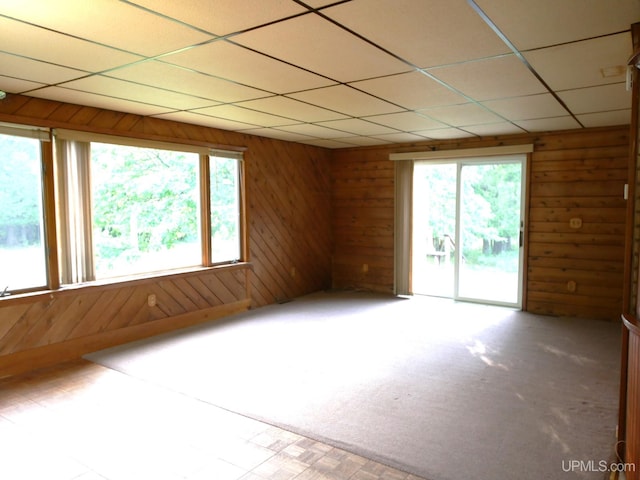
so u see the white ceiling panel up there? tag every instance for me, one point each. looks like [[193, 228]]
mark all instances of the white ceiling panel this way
[[604, 119], [224, 16], [406, 121], [541, 23], [313, 130], [206, 120], [179, 79], [323, 48], [358, 127], [401, 137], [503, 128], [279, 134], [116, 24], [291, 108], [135, 92], [444, 133], [491, 78], [34, 70], [414, 29], [10, 84], [413, 90], [240, 65], [245, 115], [462, 115], [361, 141], [338, 73], [527, 107], [59, 49], [597, 99], [548, 124], [98, 101], [583, 64], [347, 101]]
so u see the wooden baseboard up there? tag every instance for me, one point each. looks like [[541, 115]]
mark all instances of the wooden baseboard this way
[[45, 356]]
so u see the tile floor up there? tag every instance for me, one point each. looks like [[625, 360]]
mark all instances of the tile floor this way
[[83, 421]]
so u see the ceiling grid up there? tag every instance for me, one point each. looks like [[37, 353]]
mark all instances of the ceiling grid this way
[[330, 73]]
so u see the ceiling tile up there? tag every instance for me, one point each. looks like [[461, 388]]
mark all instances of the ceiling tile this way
[[605, 119], [580, 64], [179, 79], [245, 115], [358, 127], [461, 115], [413, 30], [279, 134], [406, 121], [597, 99], [548, 124], [225, 16], [206, 120], [363, 141], [312, 130], [46, 73], [528, 107], [503, 128], [401, 137], [491, 78], [59, 49], [411, 90], [444, 133], [542, 23], [115, 24], [98, 101], [288, 107], [326, 143], [346, 100], [132, 91], [321, 47], [14, 85], [238, 64]]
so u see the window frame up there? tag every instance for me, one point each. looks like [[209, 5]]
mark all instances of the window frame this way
[[47, 194], [53, 211]]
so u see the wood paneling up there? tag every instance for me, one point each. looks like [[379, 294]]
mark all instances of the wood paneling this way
[[288, 210], [573, 174]]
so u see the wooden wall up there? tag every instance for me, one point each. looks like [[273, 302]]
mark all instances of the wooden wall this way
[[289, 239], [573, 174]]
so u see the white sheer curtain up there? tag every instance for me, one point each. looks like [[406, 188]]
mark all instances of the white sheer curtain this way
[[403, 227]]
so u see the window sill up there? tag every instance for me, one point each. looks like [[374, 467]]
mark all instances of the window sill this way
[[119, 282]]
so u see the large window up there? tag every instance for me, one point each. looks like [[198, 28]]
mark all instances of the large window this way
[[145, 209], [22, 239], [131, 208]]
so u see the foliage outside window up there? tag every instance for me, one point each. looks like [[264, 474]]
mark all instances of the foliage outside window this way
[[22, 243], [225, 208], [145, 209]]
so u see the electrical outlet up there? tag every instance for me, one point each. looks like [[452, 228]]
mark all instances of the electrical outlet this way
[[151, 300], [575, 222], [365, 268]]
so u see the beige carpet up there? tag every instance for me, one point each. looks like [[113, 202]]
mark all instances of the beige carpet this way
[[440, 389]]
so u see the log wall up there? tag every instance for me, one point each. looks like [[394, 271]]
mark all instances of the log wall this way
[[289, 239], [573, 174]]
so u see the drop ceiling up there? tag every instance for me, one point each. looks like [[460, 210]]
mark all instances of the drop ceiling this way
[[335, 74]]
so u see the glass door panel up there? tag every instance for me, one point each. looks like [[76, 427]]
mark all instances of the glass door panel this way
[[489, 232], [434, 228]]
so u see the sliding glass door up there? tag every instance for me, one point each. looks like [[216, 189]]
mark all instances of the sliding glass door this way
[[467, 229]]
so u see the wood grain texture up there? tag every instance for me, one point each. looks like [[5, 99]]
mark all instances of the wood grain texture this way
[[288, 212], [572, 174]]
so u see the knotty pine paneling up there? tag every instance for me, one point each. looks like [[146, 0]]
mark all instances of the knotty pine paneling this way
[[573, 174], [288, 207]]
